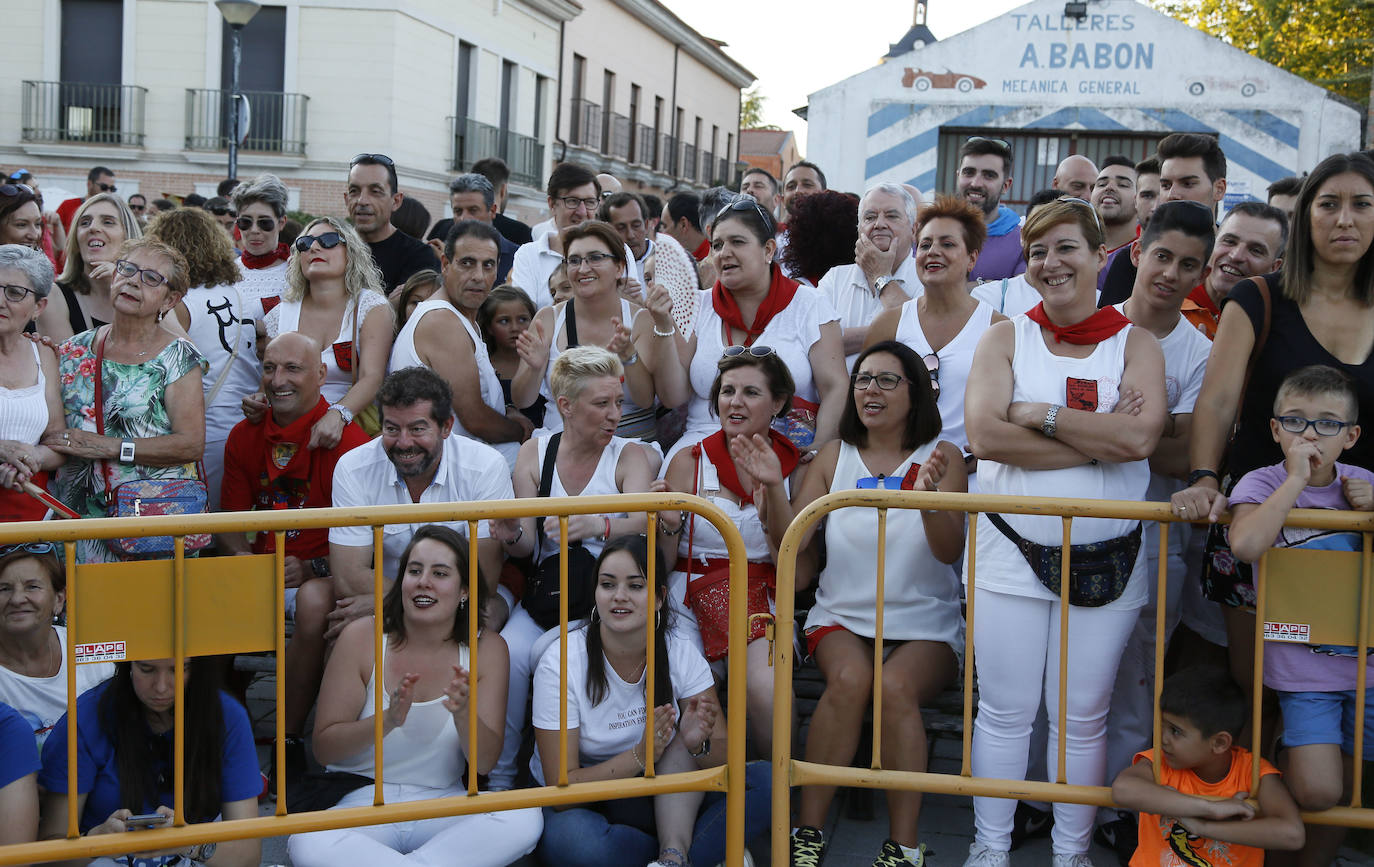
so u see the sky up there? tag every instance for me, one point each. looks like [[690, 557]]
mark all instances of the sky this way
[[809, 44]]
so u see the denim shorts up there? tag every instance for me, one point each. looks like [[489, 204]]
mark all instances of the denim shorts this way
[[1326, 718]]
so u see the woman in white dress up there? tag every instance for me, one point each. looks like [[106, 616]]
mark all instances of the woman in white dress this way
[[889, 439], [333, 293]]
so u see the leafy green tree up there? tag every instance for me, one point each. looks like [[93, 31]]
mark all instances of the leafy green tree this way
[[751, 109], [1327, 42]]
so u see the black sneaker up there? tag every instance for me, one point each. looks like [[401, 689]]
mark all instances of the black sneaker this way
[[1029, 824], [808, 847], [1121, 835]]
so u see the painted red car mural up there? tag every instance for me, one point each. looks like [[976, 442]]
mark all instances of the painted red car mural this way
[[922, 79]]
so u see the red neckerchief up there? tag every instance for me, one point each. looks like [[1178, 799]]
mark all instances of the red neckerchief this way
[[719, 453], [297, 433], [781, 289], [1201, 298], [266, 260], [1095, 329], [703, 249]]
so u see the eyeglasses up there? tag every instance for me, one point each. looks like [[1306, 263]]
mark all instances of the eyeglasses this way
[[754, 351], [744, 204], [147, 276], [890, 483], [592, 259], [373, 158], [15, 293], [29, 548], [12, 190], [265, 224], [1327, 427], [886, 381], [328, 240], [933, 368], [572, 202], [1001, 143], [107, 188], [1074, 200]]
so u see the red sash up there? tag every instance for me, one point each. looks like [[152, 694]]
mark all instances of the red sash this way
[[1095, 329], [719, 453], [781, 290]]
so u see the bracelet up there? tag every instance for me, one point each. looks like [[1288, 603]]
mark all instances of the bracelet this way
[[669, 333], [633, 359], [681, 524], [1198, 475], [518, 536], [701, 750], [634, 755]]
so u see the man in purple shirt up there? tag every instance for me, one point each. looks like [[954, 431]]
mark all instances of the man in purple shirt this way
[[984, 177]]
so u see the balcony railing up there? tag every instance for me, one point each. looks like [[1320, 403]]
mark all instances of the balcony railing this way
[[690, 162], [585, 124], [645, 147], [617, 141], [65, 111], [669, 155], [474, 140], [708, 164], [724, 173], [276, 121]]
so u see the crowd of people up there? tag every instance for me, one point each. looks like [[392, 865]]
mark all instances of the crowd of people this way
[[759, 349]]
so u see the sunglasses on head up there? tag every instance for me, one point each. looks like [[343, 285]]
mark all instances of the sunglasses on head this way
[[754, 351], [328, 240], [1074, 200], [373, 158], [265, 224], [29, 548], [11, 190], [996, 142], [745, 204]]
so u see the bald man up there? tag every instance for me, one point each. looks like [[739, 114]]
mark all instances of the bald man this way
[[268, 466], [610, 185], [1075, 176]]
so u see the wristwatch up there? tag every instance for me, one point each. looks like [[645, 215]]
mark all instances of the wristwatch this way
[[881, 283], [344, 412], [126, 452], [1047, 427], [319, 567], [202, 852], [702, 750], [1198, 475]]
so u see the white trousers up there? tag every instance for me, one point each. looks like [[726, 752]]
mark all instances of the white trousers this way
[[1016, 648], [476, 840]]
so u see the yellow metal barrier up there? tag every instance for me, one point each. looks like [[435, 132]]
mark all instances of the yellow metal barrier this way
[[220, 605], [1284, 585]]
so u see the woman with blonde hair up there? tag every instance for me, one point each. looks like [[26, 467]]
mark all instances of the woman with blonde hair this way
[[220, 320], [333, 294], [99, 226]]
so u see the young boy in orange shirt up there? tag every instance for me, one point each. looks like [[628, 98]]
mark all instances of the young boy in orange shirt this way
[[1197, 815]]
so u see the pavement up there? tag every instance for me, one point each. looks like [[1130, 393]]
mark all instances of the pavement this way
[[946, 820]]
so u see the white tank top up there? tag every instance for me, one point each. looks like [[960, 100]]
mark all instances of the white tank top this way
[[601, 482], [286, 316], [403, 354], [42, 701], [24, 411], [636, 422], [705, 540], [956, 360], [921, 600], [425, 751]]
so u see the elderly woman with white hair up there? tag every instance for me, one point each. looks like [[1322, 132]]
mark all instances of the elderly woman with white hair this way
[[261, 207], [30, 390]]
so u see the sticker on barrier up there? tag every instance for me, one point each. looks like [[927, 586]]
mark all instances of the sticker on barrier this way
[[101, 651], [1277, 631]]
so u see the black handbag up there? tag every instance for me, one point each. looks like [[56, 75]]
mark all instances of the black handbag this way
[[542, 592], [1098, 571]]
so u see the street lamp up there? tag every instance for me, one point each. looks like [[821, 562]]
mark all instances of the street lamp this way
[[236, 14]]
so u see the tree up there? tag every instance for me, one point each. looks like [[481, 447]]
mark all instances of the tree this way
[[1327, 42], [751, 109]]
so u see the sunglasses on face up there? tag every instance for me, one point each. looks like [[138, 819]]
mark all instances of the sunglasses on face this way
[[14, 293], [147, 276], [745, 204], [137, 209], [265, 224], [327, 240], [754, 351], [9, 191], [107, 188], [220, 212], [1327, 427]]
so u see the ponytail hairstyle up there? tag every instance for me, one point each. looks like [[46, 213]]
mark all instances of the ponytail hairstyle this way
[[637, 546]]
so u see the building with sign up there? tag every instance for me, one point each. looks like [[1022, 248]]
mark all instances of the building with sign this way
[[1114, 81]]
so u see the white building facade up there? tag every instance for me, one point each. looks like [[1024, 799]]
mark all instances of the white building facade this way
[[1113, 82]]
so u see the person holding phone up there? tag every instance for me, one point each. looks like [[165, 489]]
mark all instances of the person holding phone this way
[[124, 762]]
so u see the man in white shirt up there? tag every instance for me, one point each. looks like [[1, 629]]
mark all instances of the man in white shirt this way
[[417, 459], [883, 275]]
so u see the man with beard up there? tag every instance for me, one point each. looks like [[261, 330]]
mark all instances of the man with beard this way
[[1250, 241], [984, 177], [267, 466], [373, 194], [417, 459], [883, 276], [1113, 197]]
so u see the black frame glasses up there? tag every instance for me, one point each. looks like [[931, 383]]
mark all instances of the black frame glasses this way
[[573, 202], [147, 276], [327, 240], [265, 224], [14, 293], [1325, 427], [594, 258], [107, 188], [886, 381]]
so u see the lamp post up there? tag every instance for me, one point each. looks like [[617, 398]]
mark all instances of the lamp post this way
[[236, 14]]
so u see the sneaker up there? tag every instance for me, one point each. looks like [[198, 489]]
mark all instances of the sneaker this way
[[891, 855], [1029, 824], [671, 857], [808, 847], [985, 856], [1121, 835], [1071, 861]]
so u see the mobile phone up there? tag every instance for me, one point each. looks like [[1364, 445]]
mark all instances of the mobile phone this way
[[144, 820]]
